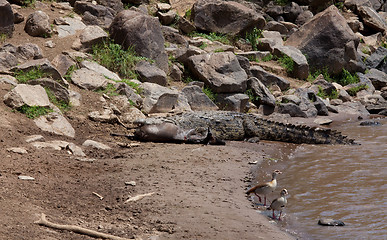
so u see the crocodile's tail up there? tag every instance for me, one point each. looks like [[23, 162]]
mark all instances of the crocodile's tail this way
[[277, 131]]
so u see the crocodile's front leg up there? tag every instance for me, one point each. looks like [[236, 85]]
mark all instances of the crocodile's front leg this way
[[252, 132]]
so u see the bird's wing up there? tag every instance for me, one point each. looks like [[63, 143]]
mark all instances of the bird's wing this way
[[259, 186]]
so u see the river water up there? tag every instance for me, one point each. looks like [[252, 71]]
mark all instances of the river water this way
[[347, 183]]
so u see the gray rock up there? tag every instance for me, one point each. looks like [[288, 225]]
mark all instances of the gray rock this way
[[7, 61], [261, 93], [197, 99], [175, 73], [69, 26], [92, 35], [376, 60], [35, 138], [24, 94], [233, 102], [7, 18], [277, 27], [325, 40], [324, 85], [158, 98], [372, 19], [94, 66], [55, 123], [38, 24], [291, 12], [370, 123], [45, 66], [219, 71], [28, 51], [168, 17], [308, 102], [62, 63], [290, 99], [378, 78], [8, 79], [172, 35], [304, 17], [29, 178], [89, 79], [75, 150], [95, 14], [60, 92], [330, 222], [183, 54], [205, 15], [131, 28], [19, 150], [323, 121], [116, 5], [55, 144], [292, 109], [95, 144], [124, 89], [185, 26], [150, 73], [300, 67], [269, 79]]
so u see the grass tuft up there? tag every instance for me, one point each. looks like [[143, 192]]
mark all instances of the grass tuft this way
[[24, 76], [34, 111]]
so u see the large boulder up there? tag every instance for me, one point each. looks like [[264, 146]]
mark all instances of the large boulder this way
[[6, 19], [327, 41], [225, 17], [219, 71], [24, 94], [134, 29], [372, 19], [38, 24]]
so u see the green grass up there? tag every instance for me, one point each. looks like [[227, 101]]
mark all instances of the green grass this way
[[133, 85], [24, 76], [34, 111], [62, 105], [253, 98], [69, 72], [109, 90], [3, 37], [324, 72], [287, 63], [210, 94], [281, 2], [384, 44], [203, 46], [187, 14], [267, 58], [322, 94], [116, 59], [28, 3], [223, 38], [354, 90], [347, 78], [253, 37]]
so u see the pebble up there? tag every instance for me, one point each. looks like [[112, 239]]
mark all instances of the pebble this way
[[26, 178], [330, 222]]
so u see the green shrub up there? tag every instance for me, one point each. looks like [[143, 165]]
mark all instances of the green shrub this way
[[287, 63], [267, 58], [223, 38], [281, 2], [210, 94], [34, 73], [334, 94], [253, 98], [203, 46], [347, 78], [324, 72], [3, 37], [62, 105], [354, 90], [34, 111], [109, 90], [253, 37], [187, 14], [116, 59]]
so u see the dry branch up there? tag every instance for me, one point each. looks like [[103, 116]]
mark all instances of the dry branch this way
[[139, 197], [44, 222]]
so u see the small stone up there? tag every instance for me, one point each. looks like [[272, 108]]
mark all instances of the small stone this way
[[26, 178], [17, 150], [370, 123], [131, 183], [35, 138], [323, 121], [330, 222]]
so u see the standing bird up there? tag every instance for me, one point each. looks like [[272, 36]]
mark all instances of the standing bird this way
[[279, 203], [266, 188]]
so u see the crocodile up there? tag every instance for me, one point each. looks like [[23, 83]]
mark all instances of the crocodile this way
[[234, 126]]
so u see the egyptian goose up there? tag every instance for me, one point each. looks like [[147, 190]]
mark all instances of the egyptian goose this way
[[266, 188], [279, 203]]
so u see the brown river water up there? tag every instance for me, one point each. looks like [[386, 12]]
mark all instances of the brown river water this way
[[347, 183]]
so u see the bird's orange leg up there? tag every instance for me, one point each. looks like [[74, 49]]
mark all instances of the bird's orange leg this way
[[279, 219], [273, 214]]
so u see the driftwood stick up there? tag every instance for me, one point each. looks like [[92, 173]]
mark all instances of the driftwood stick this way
[[139, 197], [44, 222]]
